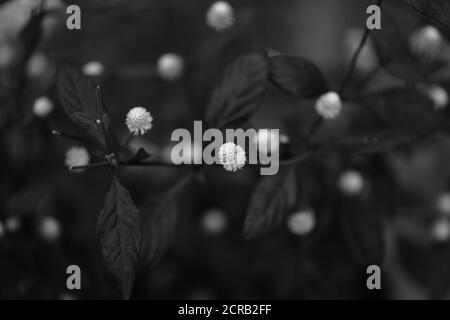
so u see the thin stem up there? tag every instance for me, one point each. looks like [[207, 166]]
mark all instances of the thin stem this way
[[69, 136], [89, 166]]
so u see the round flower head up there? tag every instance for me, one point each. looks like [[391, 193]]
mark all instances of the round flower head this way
[[38, 65], [438, 95], [301, 223], [139, 120], [440, 230], [351, 182], [426, 41], [93, 69], [170, 66], [49, 228], [7, 53], [329, 105], [231, 156], [220, 16], [77, 156], [42, 107]]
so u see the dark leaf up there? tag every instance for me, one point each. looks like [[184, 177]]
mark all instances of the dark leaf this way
[[297, 77], [395, 55], [363, 231], [160, 222], [119, 231], [140, 156], [236, 96], [271, 200], [78, 96], [437, 10]]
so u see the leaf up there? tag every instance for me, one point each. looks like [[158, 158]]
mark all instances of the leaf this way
[[119, 231], [437, 10], [78, 96], [395, 55], [236, 96], [271, 200], [297, 77], [363, 231], [160, 222], [406, 108]]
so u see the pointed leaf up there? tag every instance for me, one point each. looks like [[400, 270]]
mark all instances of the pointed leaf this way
[[119, 231]]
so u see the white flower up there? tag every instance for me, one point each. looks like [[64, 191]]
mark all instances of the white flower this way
[[220, 16], [231, 156], [12, 224], [284, 139], [266, 141], [139, 120], [438, 95], [367, 59], [170, 66], [351, 182], [38, 65], [42, 107], [77, 156], [301, 223], [93, 69], [426, 41], [214, 221], [443, 203], [440, 230], [49, 228], [329, 105]]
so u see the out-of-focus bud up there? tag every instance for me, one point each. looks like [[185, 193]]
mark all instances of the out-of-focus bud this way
[[77, 156], [38, 66], [7, 54], [301, 223], [220, 16], [12, 224], [367, 59], [284, 139], [214, 221], [351, 183], [266, 141], [440, 230], [49, 228], [170, 67], [93, 69], [329, 105], [438, 95], [426, 41], [42, 107], [443, 204]]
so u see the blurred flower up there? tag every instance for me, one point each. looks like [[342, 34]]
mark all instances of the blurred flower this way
[[93, 69], [220, 16], [214, 221], [284, 139], [266, 141], [351, 182], [7, 53], [438, 95], [12, 224], [231, 156], [329, 105], [426, 41], [440, 230], [42, 107], [49, 228], [38, 65], [170, 66], [77, 156], [139, 120], [301, 223], [443, 203], [367, 59]]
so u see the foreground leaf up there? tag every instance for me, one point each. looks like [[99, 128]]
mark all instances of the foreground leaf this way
[[235, 98], [297, 77], [271, 200], [119, 231]]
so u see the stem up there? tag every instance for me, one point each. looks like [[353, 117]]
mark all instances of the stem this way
[[70, 137], [100, 120], [89, 166]]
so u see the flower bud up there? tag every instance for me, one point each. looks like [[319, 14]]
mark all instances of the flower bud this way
[[214, 221], [301, 223], [440, 230], [38, 65], [443, 203], [426, 41], [170, 67], [77, 156], [220, 16], [351, 183], [93, 69], [284, 139], [12, 224], [42, 107], [139, 120], [49, 228], [438, 95], [232, 157], [329, 105]]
